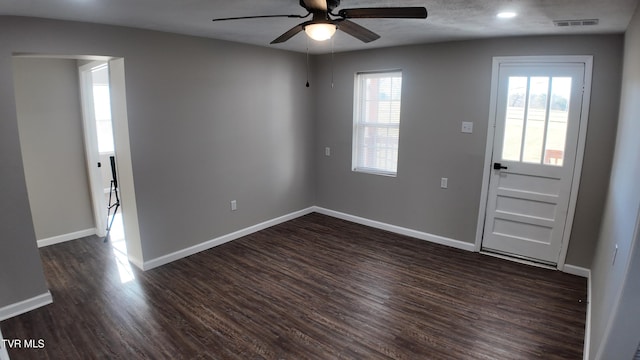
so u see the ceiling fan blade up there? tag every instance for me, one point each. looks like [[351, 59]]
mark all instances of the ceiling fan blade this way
[[261, 16], [361, 33], [384, 13], [289, 34]]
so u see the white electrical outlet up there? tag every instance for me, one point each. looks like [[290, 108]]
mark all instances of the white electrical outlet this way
[[327, 151], [444, 183], [234, 205], [467, 127]]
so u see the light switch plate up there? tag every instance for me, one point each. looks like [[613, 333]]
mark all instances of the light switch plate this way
[[467, 127]]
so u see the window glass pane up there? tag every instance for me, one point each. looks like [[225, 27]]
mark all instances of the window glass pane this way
[[558, 119], [101, 102], [382, 99], [379, 148], [395, 89], [536, 120], [514, 121], [102, 112]]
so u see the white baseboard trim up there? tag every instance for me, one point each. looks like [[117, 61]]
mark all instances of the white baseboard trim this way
[[24, 306], [577, 270], [162, 260], [66, 237], [586, 273], [587, 324], [398, 229]]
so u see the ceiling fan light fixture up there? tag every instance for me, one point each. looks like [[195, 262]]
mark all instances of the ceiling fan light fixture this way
[[320, 31], [506, 15]]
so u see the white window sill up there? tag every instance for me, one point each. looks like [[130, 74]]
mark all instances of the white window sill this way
[[375, 172]]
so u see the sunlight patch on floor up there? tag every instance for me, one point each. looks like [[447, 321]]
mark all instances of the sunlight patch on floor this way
[[119, 245]]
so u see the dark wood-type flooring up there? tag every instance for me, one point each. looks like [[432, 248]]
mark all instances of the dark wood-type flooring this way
[[312, 288]]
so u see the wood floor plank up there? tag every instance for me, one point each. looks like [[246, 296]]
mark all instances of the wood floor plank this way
[[313, 288]]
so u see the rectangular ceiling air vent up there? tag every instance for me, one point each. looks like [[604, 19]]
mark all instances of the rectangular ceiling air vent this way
[[581, 22]]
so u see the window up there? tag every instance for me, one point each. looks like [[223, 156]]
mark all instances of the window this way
[[376, 123]]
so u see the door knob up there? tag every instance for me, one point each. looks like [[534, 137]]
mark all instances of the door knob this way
[[498, 166]]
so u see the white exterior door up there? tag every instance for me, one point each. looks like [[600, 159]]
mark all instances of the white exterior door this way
[[537, 125]]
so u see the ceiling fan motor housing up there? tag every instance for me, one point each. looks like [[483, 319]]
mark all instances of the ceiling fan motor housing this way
[[331, 4]]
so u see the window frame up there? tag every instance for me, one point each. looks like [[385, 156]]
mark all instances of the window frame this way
[[358, 104]]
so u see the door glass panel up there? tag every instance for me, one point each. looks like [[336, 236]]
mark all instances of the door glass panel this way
[[514, 120], [558, 118], [536, 120]]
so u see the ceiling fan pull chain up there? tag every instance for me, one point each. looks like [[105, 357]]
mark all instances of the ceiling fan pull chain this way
[[307, 63], [332, 62]]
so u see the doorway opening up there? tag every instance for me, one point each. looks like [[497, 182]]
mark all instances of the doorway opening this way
[[67, 159], [95, 90], [98, 133]]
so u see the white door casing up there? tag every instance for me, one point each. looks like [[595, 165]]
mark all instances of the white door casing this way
[[537, 130], [124, 163]]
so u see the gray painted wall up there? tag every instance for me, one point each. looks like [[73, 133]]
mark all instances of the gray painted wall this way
[[50, 125], [21, 274], [616, 286], [209, 121], [443, 85]]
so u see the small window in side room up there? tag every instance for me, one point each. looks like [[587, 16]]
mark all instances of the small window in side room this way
[[376, 122]]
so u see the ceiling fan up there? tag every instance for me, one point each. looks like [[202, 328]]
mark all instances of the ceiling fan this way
[[324, 22]]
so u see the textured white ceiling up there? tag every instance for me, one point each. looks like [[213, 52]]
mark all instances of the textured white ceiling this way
[[448, 19]]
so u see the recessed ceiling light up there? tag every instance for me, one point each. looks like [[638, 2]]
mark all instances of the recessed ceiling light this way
[[506, 15]]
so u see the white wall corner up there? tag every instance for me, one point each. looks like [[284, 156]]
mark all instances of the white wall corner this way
[[398, 229], [66, 237], [25, 306], [137, 262]]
